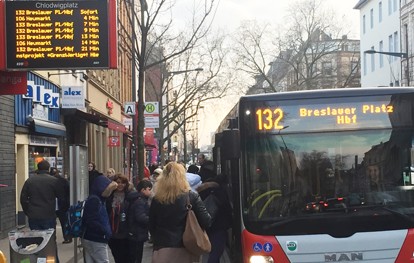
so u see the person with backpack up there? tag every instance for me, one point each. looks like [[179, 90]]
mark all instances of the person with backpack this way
[[138, 220], [95, 221], [117, 206]]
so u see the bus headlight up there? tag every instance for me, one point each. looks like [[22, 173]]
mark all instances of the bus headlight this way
[[261, 259]]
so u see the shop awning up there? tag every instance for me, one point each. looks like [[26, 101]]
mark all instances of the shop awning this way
[[89, 117], [48, 127]]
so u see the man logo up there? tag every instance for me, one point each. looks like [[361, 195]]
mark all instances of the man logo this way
[[291, 246], [353, 256]]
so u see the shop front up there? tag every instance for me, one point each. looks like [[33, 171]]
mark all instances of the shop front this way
[[39, 132]]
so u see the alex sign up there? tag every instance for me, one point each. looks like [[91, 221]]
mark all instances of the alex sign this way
[[73, 97], [38, 93]]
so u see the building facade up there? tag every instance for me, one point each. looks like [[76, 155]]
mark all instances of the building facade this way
[[407, 41], [380, 31]]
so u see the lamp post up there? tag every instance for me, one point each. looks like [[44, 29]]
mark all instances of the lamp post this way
[[402, 55], [171, 74]]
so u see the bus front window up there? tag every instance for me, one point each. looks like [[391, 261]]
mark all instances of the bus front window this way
[[298, 183]]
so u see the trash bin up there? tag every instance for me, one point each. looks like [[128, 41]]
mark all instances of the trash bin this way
[[32, 246]]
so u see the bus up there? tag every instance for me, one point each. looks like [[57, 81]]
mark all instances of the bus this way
[[321, 176]]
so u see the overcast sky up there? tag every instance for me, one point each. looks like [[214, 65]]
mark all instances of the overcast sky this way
[[228, 17]]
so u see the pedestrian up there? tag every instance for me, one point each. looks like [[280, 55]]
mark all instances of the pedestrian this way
[[117, 206], [63, 204], [38, 199], [138, 220], [201, 158], [193, 169], [221, 217], [96, 221], [206, 170], [168, 212], [110, 173], [157, 172], [93, 173], [194, 180]]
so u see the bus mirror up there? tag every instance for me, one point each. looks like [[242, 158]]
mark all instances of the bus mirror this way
[[230, 148]]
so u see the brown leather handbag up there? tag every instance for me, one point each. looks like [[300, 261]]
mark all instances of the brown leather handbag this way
[[195, 238]]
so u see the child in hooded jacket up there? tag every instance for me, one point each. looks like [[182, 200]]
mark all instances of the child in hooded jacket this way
[[138, 220]]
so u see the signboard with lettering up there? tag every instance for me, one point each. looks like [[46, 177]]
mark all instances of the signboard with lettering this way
[[151, 115], [57, 34], [12, 82], [73, 97]]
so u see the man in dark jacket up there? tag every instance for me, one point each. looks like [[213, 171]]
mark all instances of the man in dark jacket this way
[[96, 221], [138, 220], [63, 205], [38, 199]]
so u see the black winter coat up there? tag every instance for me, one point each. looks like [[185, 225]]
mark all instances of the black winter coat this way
[[224, 217], [118, 217], [138, 217], [167, 221]]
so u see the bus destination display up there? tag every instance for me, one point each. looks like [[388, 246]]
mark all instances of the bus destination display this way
[[324, 116], [56, 34]]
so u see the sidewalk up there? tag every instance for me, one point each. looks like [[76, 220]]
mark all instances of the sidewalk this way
[[66, 251]]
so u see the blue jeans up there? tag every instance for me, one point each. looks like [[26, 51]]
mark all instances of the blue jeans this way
[[44, 224]]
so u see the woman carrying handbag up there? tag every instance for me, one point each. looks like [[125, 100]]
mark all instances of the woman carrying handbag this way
[[168, 213]]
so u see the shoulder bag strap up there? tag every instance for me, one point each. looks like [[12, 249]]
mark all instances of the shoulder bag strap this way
[[188, 204]]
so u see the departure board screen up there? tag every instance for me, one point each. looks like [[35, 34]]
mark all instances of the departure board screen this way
[[57, 34]]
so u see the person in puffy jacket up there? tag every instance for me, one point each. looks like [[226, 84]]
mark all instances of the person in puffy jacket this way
[[168, 212], [95, 221], [138, 219]]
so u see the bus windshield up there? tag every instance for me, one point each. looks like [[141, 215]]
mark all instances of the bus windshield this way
[[333, 182]]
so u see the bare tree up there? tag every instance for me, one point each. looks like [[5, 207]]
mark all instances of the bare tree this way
[[150, 31], [307, 53], [192, 90]]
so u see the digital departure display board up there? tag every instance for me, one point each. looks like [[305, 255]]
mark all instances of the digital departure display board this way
[[57, 34]]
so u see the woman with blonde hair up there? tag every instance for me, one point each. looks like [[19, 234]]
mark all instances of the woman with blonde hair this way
[[168, 212]]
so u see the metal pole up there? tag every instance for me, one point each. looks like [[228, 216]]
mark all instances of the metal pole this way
[[185, 139], [134, 99]]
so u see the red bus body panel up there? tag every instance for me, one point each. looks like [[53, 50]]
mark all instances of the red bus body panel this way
[[248, 243]]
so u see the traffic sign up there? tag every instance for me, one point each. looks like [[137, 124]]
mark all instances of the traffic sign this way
[[151, 109], [129, 108]]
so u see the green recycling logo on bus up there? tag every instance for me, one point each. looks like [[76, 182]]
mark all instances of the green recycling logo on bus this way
[[292, 246]]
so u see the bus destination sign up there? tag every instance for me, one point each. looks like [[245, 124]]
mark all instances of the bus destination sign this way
[[323, 116], [57, 34]]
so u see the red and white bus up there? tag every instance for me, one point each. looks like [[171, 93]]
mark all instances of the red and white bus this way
[[321, 176]]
